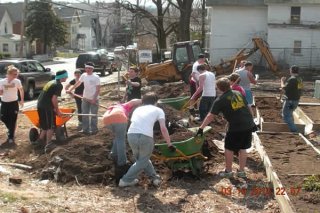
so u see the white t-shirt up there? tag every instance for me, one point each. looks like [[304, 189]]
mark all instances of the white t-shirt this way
[[10, 90], [209, 85], [143, 119], [90, 83], [195, 71]]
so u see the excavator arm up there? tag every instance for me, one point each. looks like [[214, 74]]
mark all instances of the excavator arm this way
[[227, 66]]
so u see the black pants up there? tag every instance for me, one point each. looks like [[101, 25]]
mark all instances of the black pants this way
[[205, 106], [79, 110], [9, 115]]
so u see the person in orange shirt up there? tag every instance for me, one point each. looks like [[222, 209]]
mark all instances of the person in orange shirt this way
[[116, 119]]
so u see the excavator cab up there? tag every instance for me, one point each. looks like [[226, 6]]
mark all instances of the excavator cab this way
[[184, 55]]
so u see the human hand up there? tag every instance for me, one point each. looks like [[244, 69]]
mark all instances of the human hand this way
[[21, 104], [199, 132], [283, 79]]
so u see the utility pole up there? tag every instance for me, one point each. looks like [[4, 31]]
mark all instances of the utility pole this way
[[24, 17], [203, 22]]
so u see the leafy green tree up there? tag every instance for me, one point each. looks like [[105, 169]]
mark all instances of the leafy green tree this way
[[43, 25]]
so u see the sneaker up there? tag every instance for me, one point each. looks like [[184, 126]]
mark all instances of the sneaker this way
[[49, 147], [84, 132], [8, 144], [156, 182], [241, 174], [124, 184], [226, 174]]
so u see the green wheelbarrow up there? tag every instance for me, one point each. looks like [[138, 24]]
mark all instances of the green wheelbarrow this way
[[178, 103], [188, 154]]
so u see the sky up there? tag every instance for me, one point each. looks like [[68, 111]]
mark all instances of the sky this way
[[72, 1]]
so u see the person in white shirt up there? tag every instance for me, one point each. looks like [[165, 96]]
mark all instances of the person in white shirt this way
[[247, 79], [9, 88], [207, 85], [90, 102], [194, 81], [140, 138]]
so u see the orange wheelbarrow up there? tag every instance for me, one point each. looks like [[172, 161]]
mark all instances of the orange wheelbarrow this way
[[60, 131]]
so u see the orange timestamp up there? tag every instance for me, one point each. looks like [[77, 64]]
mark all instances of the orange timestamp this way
[[259, 191]]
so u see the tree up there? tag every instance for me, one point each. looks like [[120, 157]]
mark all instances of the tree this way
[[185, 8], [44, 26], [162, 28]]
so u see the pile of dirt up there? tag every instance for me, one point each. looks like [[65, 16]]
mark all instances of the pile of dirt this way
[[269, 108]]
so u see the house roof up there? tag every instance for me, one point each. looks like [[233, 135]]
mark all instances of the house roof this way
[[15, 10], [65, 13], [11, 37], [2, 12], [211, 3]]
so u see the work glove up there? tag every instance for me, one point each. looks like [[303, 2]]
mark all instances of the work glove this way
[[172, 148], [199, 132]]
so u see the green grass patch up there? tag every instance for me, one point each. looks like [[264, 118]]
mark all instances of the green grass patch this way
[[67, 55], [8, 197]]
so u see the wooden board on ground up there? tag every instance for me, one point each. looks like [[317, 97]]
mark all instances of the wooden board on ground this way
[[280, 127]]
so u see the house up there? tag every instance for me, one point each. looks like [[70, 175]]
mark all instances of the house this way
[[10, 38], [290, 27], [71, 18]]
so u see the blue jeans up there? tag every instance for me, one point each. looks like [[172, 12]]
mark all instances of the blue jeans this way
[[205, 106], [89, 123], [287, 113], [118, 150], [249, 97], [142, 148]]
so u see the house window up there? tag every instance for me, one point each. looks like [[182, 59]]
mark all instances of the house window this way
[[5, 28], [297, 47], [5, 47], [295, 15], [17, 47]]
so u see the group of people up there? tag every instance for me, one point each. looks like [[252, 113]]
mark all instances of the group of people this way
[[234, 102]]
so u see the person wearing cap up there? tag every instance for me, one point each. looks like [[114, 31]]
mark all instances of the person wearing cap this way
[[90, 102], [207, 87], [246, 79], [77, 91], [9, 88], [47, 107], [194, 80], [292, 92]]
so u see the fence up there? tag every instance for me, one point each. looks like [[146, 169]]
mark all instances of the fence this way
[[284, 57]]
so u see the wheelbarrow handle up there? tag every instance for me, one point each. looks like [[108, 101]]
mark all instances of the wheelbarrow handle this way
[[79, 114], [186, 105], [79, 96]]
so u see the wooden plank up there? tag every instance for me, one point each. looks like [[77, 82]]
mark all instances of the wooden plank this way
[[310, 144], [309, 104], [280, 127], [283, 200]]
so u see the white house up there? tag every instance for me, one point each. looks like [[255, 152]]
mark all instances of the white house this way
[[291, 27], [9, 42]]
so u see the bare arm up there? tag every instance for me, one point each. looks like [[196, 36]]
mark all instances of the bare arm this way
[[54, 101], [68, 86], [134, 84], [207, 120], [164, 131], [202, 78], [73, 87], [251, 78], [21, 91]]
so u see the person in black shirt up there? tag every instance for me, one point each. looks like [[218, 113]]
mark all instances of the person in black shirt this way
[[48, 108], [133, 90], [292, 89], [234, 107], [78, 91]]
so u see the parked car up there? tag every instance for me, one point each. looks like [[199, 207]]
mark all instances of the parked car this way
[[116, 63], [101, 62], [33, 75]]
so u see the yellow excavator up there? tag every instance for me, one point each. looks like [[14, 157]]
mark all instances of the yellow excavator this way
[[184, 54], [228, 66]]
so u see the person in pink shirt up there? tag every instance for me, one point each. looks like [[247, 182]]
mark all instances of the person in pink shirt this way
[[234, 83], [116, 119], [234, 79]]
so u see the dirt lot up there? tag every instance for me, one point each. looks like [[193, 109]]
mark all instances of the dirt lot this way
[[77, 176], [292, 159]]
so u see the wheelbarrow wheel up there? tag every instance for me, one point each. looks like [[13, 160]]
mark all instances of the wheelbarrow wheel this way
[[33, 135], [197, 166]]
